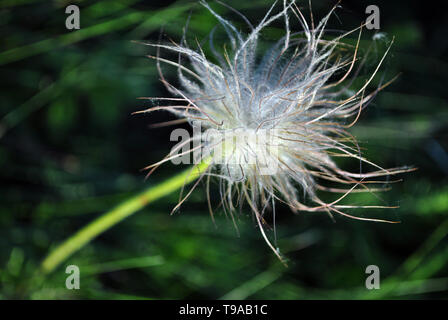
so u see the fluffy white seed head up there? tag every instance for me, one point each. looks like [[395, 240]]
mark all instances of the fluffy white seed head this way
[[272, 125]]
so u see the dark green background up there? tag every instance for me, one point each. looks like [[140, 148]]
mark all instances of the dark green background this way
[[70, 150]]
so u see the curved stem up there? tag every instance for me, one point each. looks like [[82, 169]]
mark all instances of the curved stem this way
[[117, 214]]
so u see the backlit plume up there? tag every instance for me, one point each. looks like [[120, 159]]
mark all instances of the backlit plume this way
[[271, 124]]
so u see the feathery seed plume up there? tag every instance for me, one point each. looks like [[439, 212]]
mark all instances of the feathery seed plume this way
[[271, 126]]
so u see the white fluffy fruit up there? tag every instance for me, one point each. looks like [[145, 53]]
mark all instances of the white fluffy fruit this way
[[274, 124]]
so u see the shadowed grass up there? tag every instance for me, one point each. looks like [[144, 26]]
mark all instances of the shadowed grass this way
[[122, 211]]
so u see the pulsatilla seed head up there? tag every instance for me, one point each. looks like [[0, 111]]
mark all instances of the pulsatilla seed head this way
[[271, 126]]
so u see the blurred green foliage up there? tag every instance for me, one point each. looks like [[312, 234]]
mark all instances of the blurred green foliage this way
[[70, 150]]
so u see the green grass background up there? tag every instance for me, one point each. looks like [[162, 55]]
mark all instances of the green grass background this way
[[70, 150]]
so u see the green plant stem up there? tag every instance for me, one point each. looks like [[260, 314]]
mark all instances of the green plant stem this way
[[117, 214]]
